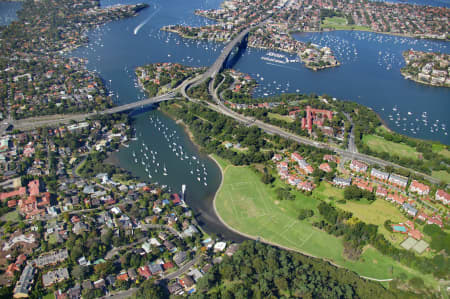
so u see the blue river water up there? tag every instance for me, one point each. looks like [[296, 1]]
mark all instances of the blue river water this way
[[442, 3], [8, 12], [369, 74], [162, 146]]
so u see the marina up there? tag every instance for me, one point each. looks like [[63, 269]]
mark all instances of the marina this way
[[114, 51]]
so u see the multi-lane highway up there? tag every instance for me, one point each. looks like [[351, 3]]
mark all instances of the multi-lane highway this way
[[211, 72], [216, 67]]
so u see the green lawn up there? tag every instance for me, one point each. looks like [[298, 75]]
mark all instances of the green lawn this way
[[285, 118], [52, 239], [249, 206], [380, 144], [11, 216], [79, 167], [441, 175], [339, 23], [377, 213], [440, 149], [326, 190], [49, 296], [335, 21]]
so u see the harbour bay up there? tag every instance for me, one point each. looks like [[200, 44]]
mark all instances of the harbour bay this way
[[117, 48]]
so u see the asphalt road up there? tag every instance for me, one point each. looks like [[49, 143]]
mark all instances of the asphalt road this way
[[350, 153]]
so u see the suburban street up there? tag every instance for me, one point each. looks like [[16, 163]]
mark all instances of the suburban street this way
[[183, 268]]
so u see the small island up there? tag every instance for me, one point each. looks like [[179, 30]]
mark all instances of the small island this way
[[430, 68]]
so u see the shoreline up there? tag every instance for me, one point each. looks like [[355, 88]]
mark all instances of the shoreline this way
[[372, 31], [407, 76], [185, 129], [260, 239]]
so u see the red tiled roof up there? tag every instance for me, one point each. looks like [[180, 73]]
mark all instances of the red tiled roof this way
[[145, 272], [20, 192], [33, 188], [419, 186], [123, 277], [167, 266], [414, 233]]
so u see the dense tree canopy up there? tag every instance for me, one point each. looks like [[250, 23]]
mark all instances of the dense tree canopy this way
[[261, 271]]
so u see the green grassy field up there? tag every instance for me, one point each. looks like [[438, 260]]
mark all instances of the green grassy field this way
[[377, 213], [11, 216], [280, 117], [339, 23], [441, 150], [441, 175], [49, 296], [326, 190], [379, 144], [251, 207]]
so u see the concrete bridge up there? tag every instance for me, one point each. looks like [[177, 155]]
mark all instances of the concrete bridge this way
[[211, 72], [51, 120], [219, 64]]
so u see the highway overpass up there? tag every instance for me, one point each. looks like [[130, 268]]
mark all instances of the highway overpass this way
[[211, 72], [216, 67]]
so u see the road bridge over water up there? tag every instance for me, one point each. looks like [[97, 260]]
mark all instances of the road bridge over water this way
[[211, 72], [215, 68]]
